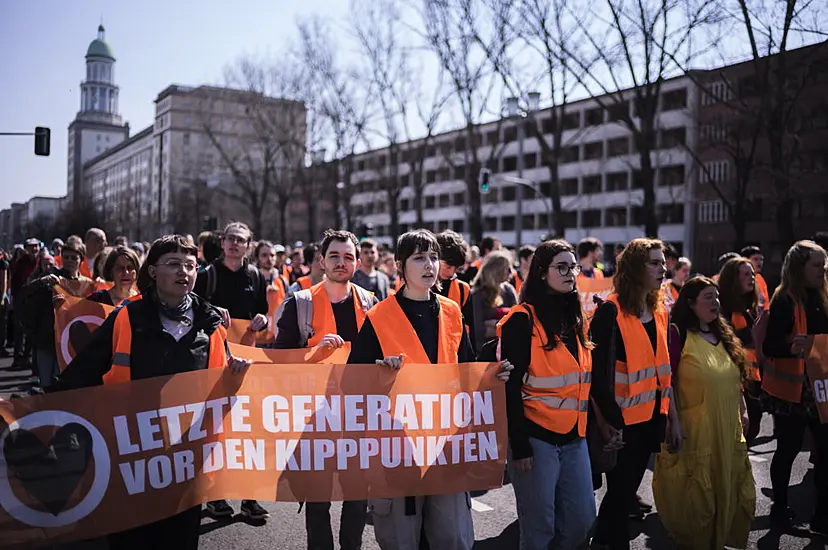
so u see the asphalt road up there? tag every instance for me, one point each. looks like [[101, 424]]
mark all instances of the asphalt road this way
[[495, 517]]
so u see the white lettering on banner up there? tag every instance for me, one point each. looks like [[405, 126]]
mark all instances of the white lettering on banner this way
[[217, 406], [184, 465], [427, 401], [273, 421], [160, 471], [133, 474], [125, 444], [327, 412], [353, 411], [238, 413], [172, 416], [379, 412], [147, 429], [819, 391], [213, 457], [197, 410], [405, 413]]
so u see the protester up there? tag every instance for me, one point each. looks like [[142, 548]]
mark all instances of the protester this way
[[39, 300], [544, 337], [368, 276], [590, 251], [202, 238], [492, 297], [265, 256], [121, 267], [410, 325], [170, 331], [754, 254], [338, 310], [524, 261], [672, 288], [312, 254], [722, 260], [95, 242], [633, 322], [703, 484], [389, 266], [4, 303], [239, 291], [487, 245], [210, 249], [671, 257], [453, 252], [297, 268], [98, 274], [140, 251], [55, 249], [21, 268], [740, 309], [799, 308]]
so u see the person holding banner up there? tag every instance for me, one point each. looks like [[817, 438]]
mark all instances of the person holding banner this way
[[630, 335], [799, 308], [420, 327], [545, 338], [739, 296], [703, 487], [121, 267]]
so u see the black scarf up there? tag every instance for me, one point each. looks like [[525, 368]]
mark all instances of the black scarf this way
[[177, 313]]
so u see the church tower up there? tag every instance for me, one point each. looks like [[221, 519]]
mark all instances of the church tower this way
[[98, 125]]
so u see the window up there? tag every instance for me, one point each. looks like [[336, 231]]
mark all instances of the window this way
[[569, 186], [572, 121], [431, 151], [458, 225], [186, 138], [638, 180], [672, 175], [509, 164], [617, 147], [443, 201], [492, 137], [570, 154], [671, 213], [431, 176], [716, 171], [594, 150], [509, 134], [460, 144], [617, 181], [618, 112], [528, 221], [360, 166], [442, 225], [507, 223], [444, 174], [677, 99], [429, 201], [489, 224], [591, 218], [460, 172], [592, 184], [570, 218], [672, 138], [712, 212], [637, 215], [594, 117], [617, 217], [530, 160], [509, 193], [405, 204], [458, 199], [546, 126]]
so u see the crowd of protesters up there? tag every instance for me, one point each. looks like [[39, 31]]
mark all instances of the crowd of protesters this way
[[672, 364]]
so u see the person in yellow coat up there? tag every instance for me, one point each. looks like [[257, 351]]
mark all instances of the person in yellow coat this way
[[703, 484]]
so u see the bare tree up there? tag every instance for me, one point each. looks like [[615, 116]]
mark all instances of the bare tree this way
[[637, 44]]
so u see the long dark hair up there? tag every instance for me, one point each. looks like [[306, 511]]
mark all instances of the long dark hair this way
[[685, 319], [163, 245], [564, 314], [733, 298]]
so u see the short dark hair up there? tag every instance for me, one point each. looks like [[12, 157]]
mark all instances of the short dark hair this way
[[163, 245], [72, 246], [339, 235], [724, 258], [749, 251], [587, 246], [526, 251], [259, 246], [487, 244], [203, 236], [821, 238], [670, 251], [453, 248], [211, 248], [419, 240], [367, 243], [121, 240], [309, 252], [117, 252]]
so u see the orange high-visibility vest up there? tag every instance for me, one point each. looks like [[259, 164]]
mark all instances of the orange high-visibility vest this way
[[324, 322], [59, 260], [122, 349], [304, 282], [556, 387], [784, 376], [674, 292], [645, 373], [459, 292], [596, 274], [397, 337], [286, 271], [764, 297], [518, 282], [752, 369], [84, 269]]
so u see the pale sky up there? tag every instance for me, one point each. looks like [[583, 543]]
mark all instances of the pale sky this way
[[156, 43]]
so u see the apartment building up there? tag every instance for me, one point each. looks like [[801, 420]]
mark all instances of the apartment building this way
[[601, 194]]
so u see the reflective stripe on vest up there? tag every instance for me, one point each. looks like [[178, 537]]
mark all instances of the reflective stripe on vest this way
[[456, 295], [122, 349], [556, 387], [638, 380], [783, 377], [397, 337], [752, 372], [324, 322]]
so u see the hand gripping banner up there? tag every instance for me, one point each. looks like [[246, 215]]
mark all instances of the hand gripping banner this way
[[85, 463]]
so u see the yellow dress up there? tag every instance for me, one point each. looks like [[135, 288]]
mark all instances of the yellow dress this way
[[705, 494]]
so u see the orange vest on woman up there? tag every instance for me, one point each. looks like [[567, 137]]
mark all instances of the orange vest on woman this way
[[397, 337], [459, 292], [784, 376], [122, 349], [752, 369], [324, 322], [556, 387], [645, 373]]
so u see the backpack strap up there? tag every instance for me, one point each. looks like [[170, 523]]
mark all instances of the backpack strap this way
[[253, 272], [304, 315]]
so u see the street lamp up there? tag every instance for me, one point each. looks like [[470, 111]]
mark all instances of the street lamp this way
[[514, 111], [317, 162], [341, 211]]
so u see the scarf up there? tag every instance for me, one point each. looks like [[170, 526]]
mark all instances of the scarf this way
[[176, 313]]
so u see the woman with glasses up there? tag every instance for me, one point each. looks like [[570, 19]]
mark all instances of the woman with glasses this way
[[169, 331], [631, 383], [545, 339], [121, 268], [798, 309]]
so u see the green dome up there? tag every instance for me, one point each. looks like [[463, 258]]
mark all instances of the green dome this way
[[99, 47]]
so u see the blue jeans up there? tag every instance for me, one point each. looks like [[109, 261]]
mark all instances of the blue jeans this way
[[556, 505]]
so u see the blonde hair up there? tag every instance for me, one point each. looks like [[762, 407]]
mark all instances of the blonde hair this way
[[495, 270], [793, 280]]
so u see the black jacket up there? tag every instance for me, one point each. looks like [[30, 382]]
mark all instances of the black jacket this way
[[154, 351], [243, 293]]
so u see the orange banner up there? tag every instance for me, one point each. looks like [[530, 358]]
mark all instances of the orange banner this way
[[588, 289], [75, 321], [89, 462], [817, 366]]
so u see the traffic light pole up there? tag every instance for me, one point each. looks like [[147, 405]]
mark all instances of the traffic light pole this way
[[521, 183], [42, 139]]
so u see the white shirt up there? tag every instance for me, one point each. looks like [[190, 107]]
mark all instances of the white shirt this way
[[176, 328]]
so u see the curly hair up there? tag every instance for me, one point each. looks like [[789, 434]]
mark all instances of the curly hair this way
[[453, 248], [494, 271], [733, 298], [629, 282], [793, 276]]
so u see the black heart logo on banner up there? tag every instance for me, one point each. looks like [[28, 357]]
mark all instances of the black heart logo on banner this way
[[52, 472], [79, 336]]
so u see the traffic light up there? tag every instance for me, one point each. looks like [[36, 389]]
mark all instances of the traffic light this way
[[366, 231], [484, 181], [42, 139]]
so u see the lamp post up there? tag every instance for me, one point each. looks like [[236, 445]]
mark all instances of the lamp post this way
[[317, 162], [514, 111], [340, 207]]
